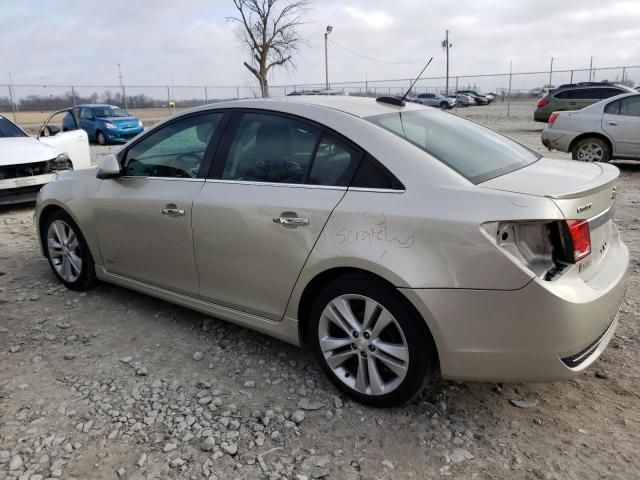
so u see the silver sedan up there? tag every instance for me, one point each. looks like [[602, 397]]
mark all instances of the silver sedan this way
[[603, 131], [391, 240]]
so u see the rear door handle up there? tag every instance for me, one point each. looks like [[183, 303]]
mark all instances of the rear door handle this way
[[172, 210], [612, 123], [291, 221]]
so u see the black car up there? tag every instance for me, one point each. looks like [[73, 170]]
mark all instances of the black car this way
[[479, 99]]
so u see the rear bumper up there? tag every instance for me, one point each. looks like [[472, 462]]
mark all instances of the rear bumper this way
[[555, 139], [544, 331], [22, 189], [541, 116]]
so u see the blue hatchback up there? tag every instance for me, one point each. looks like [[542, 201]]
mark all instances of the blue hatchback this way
[[104, 123]]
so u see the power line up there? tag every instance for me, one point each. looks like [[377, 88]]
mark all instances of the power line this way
[[374, 59]]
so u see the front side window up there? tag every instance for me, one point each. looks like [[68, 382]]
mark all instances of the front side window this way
[[9, 129], [175, 150], [271, 148], [475, 152], [630, 106]]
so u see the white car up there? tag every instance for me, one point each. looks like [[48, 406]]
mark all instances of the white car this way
[[27, 163]]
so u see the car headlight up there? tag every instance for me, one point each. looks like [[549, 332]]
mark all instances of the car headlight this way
[[140, 124], [61, 162], [110, 126]]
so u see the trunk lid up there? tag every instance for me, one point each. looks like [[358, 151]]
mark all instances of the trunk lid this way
[[581, 190]]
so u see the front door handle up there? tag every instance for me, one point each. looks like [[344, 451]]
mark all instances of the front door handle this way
[[612, 123], [172, 210], [291, 221]]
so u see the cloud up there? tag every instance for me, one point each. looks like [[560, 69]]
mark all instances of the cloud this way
[[376, 19]]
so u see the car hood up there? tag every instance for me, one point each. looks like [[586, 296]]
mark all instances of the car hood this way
[[549, 177], [121, 120], [21, 150]]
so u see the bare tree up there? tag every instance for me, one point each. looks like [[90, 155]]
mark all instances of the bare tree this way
[[270, 32]]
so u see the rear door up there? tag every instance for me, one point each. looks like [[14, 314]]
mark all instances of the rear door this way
[[272, 189], [621, 121], [143, 218]]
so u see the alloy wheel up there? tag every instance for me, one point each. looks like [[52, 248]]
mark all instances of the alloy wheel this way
[[363, 344], [590, 152], [64, 250]]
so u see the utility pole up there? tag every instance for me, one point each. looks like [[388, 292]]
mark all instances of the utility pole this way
[[12, 98], [551, 72], [446, 45], [590, 68], [124, 95], [509, 98], [326, 56]]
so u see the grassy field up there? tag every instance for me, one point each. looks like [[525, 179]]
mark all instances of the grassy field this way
[[31, 121]]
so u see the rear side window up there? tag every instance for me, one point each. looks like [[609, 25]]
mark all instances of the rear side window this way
[[613, 108], [371, 174], [475, 152], [334, 163]]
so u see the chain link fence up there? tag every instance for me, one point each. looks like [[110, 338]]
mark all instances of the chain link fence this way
[[30, 104]]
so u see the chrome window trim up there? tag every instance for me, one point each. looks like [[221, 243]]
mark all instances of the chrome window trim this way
[[376, 190], [274, 184], [171, 179]]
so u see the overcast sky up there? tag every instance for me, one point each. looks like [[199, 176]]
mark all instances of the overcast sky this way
[[191, 42]]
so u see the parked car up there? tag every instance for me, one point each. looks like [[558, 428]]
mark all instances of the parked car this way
[[575, 96], [105, 123], [603, 131], [462, 100], [27, 163], [477, 97], [434, 100], [388, 238], [491, 97]]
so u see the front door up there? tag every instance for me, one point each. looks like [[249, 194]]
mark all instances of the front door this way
[[256, 223], [621, 121], [143, 219], [61, 131]]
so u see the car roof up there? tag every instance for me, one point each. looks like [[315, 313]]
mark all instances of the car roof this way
[[96, 105], [357, 106]]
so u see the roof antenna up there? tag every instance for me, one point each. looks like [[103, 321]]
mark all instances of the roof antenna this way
[[399, 101]]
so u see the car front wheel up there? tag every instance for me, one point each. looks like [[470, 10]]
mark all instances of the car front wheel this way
[[370, 342], [101, 138], [591, 149], [67, 251]]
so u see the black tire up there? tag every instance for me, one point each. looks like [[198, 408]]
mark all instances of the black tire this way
[[101, 138], [444, 105], [578, 153], [421, 348], [87, 275]]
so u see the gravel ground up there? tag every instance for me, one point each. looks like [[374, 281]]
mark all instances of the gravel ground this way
[[112, 384]]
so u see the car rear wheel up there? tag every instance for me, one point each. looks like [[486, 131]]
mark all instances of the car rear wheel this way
[[591, 149], [67, 251], [101, 138], [370, 342]]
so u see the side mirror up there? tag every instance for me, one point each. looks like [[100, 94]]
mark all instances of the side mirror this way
[[108, 166]]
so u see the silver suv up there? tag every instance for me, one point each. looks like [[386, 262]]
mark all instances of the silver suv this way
[[575, 96]]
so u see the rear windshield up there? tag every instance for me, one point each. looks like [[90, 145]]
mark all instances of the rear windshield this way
[[475, 152], [8, 129]]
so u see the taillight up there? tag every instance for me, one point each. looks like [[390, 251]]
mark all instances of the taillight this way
[[554, 116], [580, 238], [542, 103]]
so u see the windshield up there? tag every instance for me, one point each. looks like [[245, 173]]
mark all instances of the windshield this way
[[9, 129], [109, 112], [475, 152]]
